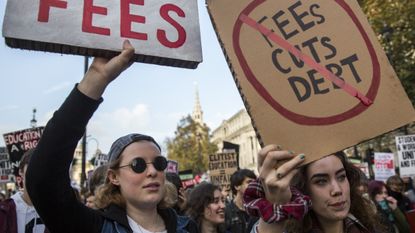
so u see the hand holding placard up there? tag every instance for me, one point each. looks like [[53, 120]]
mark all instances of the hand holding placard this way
[[312, 74]]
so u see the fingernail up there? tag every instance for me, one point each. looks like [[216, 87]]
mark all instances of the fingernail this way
[[127, 42], [291, 152], [279, 147], [302, 156]]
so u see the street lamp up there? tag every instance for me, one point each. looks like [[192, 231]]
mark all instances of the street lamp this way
[[198, 138], [83, 173], [90, 138], [33, 122]]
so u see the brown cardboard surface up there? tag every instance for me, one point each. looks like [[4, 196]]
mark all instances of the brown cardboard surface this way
[[221, 167], [320, 119]]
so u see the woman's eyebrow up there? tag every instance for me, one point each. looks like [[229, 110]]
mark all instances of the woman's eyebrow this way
[[319, 175], [324, 175], [340, 171]]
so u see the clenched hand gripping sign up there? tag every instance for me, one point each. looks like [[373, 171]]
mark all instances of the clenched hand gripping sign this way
[[312, 74], [163, 32]]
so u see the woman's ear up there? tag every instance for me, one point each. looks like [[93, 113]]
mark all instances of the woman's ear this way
[[112, 176]]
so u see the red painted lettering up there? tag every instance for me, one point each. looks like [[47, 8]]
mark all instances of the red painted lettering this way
[[89, 10], [44, 7], [127, 19], [181, 33]]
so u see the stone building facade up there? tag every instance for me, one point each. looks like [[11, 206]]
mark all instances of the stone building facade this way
[[76, 168], [239, 130]]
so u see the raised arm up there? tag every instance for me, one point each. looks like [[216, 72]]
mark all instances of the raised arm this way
[[263, 197], [103, 71], [47, 176]]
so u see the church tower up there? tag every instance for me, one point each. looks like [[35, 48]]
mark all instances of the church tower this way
[[197, 114]]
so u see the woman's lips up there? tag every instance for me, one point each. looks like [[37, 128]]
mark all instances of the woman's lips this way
[[152, 186], [339, 204]]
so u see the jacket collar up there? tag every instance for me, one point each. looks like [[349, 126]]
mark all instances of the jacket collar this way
[[118, 214], [350, 225]]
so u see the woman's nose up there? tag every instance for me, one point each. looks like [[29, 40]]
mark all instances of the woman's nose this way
[[336, 189], [222, 204], [151, 170]]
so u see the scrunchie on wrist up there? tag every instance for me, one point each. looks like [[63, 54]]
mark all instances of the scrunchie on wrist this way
[[257, 205]]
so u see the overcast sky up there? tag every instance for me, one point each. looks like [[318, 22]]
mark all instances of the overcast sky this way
[[148, 99]]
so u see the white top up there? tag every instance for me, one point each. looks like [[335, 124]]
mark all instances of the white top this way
[[137, 228], [27, 216]]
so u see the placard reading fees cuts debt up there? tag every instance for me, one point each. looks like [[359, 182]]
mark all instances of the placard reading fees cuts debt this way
[[310, 73]]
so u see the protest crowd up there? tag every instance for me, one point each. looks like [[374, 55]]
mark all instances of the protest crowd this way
[[133, 193], [312, 76]]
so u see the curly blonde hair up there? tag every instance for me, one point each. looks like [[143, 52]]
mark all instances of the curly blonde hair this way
[[170, 197], [108, 193]]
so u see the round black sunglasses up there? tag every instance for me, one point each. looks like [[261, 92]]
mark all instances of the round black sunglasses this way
[[139, 165]]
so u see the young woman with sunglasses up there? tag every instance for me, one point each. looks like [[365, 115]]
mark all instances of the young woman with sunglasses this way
[[134, 187]]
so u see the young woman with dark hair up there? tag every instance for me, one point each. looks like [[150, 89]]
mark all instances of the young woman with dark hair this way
[[387, 208], [321, 196], [206, 206]]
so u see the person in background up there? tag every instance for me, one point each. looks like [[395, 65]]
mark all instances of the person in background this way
[[170, 201], [236, 218], [283, 194], [90, 201], [409, 190], [170, 196], [181, 196], [395, 187], [226, 193], [10, 192], [97, 179], [17, 214], [387, 208], [206, 206], [133, 190], [2, 196]]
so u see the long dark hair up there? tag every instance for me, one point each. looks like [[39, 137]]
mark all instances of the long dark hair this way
[[360, 207], [199, 198]]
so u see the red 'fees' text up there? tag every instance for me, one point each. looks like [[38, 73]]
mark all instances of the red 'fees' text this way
[[126, 20]]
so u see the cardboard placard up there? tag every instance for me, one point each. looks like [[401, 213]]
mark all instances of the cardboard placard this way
[[221, 167], [6, 170], [18, 142], [313, 77], [405, 146], [384, 166], [186, 177], [163, 32], [172, 167]]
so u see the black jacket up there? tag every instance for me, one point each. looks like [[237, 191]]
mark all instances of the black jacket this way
[[238, 221], [48, 181]]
